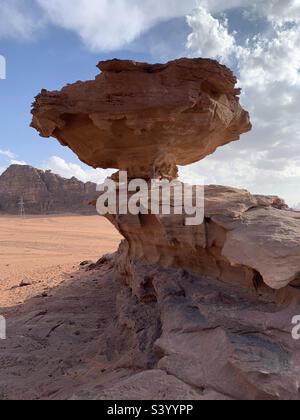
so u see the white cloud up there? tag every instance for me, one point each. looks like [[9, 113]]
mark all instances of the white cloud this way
[[209, 36], [268, 159], [9, 159], [18, 162], [101, 24], [7, 153], [247, 169], [68, 170], [111, 24], [63, 168], [274, 60], [18, 19], [278, 11]]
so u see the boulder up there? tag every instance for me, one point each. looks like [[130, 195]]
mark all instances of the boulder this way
[[145, 119]]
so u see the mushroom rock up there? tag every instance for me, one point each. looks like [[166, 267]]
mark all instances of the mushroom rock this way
[[212, 306], [143, 118]]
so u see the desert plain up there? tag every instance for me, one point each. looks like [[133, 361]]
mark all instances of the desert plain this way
[[38, 253]]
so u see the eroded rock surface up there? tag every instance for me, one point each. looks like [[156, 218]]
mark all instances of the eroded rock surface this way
[[243, 236], [144, 118], [189, 337], [201, 312]]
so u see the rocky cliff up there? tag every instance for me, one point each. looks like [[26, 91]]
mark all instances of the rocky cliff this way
[[205, 311], [43, 192]]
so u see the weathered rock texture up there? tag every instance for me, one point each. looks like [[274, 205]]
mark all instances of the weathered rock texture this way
[[243, 236], [43, 192], [143, 118], [209, 305], [182, 336]]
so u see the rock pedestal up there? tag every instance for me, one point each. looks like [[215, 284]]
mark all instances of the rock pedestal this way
[[210, 305]]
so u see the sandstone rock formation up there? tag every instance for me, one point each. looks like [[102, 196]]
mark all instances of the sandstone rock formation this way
[[43, 192], [243, 236], [182, 336], [143, 118], [210, 305]]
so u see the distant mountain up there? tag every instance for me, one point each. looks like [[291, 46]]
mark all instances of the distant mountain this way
[[43, 192]]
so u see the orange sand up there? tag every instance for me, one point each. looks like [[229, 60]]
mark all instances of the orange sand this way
[[42, 251]]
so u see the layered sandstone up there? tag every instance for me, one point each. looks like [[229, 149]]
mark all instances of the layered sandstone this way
[[243, 236], [43, 192], [144, 118], [210, 305]]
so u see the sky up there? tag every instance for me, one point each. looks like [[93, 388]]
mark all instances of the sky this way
[[48, 43]]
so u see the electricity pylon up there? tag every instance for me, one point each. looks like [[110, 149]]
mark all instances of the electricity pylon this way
[[21, 207]]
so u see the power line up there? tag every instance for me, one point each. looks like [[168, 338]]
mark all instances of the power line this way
[[21, 207]]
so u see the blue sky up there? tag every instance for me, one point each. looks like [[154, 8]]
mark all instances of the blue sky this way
[[52, 59], [57, 58], [47, 43]]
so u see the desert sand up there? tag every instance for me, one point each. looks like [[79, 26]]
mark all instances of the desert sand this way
[[38, 253]]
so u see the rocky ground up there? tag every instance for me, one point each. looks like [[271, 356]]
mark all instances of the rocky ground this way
[[132, 327], [188, 338], [69, 345]]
